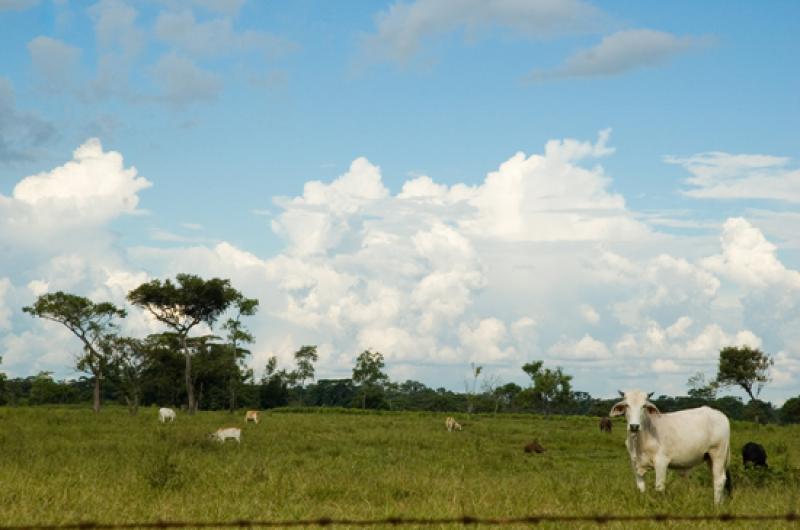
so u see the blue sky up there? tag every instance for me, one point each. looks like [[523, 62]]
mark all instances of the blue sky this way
[[355, 166]]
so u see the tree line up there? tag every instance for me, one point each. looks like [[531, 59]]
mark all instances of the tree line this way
[[209, 371]]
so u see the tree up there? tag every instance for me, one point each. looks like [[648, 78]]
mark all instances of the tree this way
[[305, 358], [744, 366], [698, 388], [549, 386], [475, 370], [184, 305], [237, 335], [92, 323], [130, 359], [274, 390], [368, 373], [790, 411]]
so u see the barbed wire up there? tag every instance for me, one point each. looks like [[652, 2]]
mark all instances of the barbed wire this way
[[465, 520]]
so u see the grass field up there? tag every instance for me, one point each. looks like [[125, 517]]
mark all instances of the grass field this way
[[66, 465]]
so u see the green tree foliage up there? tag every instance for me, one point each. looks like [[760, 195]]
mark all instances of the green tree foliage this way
[[369, 376], [549, 386], [130, 360], [237, 336], [92, 323], [274, 391], [183, 305], [790, 411], [305, 358], [744, 366]]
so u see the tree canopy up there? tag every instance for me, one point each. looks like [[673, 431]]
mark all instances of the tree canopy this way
[[744, 366], [93, 323]]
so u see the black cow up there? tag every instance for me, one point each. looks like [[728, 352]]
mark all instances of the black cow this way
[[754, 454], [605, 424]]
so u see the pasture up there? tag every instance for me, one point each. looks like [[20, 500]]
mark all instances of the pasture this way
[[62, 465]]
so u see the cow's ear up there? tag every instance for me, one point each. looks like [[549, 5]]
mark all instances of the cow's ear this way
[[652, 409], [618, 409]]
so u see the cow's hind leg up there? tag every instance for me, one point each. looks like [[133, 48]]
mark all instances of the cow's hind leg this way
[[718, 473]]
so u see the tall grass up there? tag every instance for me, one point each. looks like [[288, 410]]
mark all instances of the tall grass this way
[[67, 464]]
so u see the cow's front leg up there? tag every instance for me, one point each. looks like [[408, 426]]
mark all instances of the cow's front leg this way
[[661, 465], [638, 474]]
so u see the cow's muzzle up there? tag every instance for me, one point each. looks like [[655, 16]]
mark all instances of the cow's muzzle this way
[[634, 427]]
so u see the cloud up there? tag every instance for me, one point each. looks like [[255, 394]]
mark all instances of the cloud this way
[[229, 8], [214, 37], [22, 133], [17, 5], [433, 276], [55, 209], [586, 349], [588, 313], [55, 63], [621, 52], [719, 175], [404, 27], [115, 24], [661, 366], [749, 259], [182, 82]]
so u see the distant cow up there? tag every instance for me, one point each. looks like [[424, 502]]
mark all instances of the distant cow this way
[[233, 433], [452, 424], [534, 447], [677, 440], [251, 415], [605, 424], [754, 454], [166, 414]]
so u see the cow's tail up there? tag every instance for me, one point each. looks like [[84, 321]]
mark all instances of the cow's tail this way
[[728, 480]]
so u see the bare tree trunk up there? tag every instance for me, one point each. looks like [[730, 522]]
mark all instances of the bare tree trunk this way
[[96, 405], [188, 377]]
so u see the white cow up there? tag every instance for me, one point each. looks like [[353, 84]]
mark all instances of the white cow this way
[[223, 434], [451, 424], [251, 415], [677, 440], [166, 414]]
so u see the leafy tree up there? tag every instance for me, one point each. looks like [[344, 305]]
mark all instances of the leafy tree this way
[[184, 305], [92, 323], [305, 358], [549, 386], [238, 335], [744, 366], [274, 390], [130, 359], [790, 411], [759, 412], [698, 388], [368, 374]]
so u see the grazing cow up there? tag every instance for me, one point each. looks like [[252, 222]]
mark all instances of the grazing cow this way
[[605, 424], [452, 424], [233, 433], [251, 415], [754, 454], [676, 440], [165, 414], [534, 447]]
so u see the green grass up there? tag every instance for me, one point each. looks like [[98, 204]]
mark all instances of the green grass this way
[[66, 464]]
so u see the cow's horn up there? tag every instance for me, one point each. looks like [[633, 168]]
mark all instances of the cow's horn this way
[[621, 393], [650, 395]]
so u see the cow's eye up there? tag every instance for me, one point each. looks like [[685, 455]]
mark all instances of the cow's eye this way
[[620, 408]]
